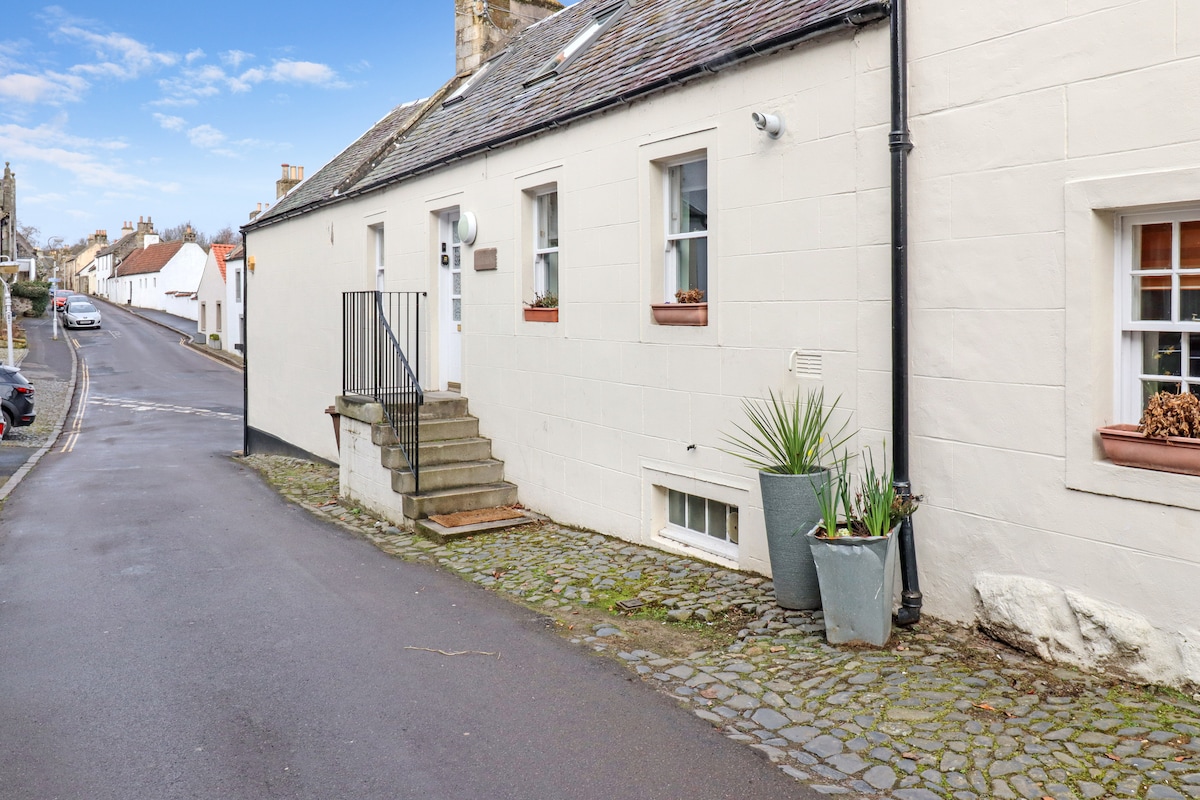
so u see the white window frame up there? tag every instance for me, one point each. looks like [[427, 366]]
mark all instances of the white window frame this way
[[540, 252], [380, 264], [203, 317], [698, 537], [671, 194], [237, 285], [1130, 376]]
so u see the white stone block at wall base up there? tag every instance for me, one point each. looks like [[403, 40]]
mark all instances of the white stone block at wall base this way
[[361, 476], [1065, 626]]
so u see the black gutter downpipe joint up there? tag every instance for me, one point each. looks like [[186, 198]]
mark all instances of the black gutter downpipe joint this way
[[900, 143]]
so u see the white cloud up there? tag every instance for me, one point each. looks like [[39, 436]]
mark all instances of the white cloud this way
[[50, 87], [171, 123], [50, 144], [206, 136], [194, 55], [304, 72], [234, 58], [117, 56]]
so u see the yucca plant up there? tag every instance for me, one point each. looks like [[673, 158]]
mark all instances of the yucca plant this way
[[788, 435]]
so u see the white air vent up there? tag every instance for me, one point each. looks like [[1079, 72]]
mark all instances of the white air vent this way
[[805, 364]]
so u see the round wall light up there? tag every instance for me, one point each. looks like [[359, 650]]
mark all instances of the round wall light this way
[[468, 228]]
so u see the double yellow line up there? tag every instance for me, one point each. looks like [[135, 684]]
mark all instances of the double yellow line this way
[[85, 383]]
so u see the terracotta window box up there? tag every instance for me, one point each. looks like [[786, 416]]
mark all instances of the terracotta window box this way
[[680, 313], [1125, 446], [541, 315]]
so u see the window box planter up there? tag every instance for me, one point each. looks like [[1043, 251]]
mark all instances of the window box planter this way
[[680, 313], [541, 315], [1125, 446]]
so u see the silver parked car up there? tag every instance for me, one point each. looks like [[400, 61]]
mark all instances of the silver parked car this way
[[81, 315]]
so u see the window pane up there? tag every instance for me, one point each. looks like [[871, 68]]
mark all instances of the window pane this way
[[732, 527], [1162, 353], [689, 197], [1189, 245], [457, 283], [547, 220], [1152, 298], [457, 310], [1194, 355], [716, 520], [692, 264], [1151, 388], [695, 513], [677, 508], [1189, 297], [457, 257], [1152, 246], [549, 265]]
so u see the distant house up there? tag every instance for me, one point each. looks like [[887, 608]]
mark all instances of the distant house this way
[[104, 275], [617, 152], [79, 271], [213, 309], [235, 299], [162, 276]]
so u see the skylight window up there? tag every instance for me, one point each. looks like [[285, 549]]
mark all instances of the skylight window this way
[[473, 82], [576, 47]]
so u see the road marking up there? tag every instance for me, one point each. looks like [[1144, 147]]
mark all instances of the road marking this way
[[85, 384], [145, 405]]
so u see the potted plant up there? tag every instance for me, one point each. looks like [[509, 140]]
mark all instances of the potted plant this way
[[854, 549], [214, 340], [786, 438], [544, 308], [689, 308], [1166, 439]]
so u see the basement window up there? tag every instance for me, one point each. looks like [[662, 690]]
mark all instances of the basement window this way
[[577, 46], [702, 523]]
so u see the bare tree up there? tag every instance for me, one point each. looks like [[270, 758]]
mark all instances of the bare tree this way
[[227, 235], [30, 232]]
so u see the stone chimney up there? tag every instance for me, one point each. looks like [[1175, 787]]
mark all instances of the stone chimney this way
[[483, 27], [126, 229], [145, 233], [291, 177], [189, 235], [262, 207]]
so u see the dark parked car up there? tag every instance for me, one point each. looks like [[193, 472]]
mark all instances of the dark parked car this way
[[16, 399]]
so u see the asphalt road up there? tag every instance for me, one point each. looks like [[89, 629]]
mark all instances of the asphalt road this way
[[170, 628]]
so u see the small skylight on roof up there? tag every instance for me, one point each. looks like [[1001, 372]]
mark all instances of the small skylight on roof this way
[[473, 82], [576, 47]]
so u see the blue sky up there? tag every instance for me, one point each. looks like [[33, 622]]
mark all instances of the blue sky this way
[[185, 111]]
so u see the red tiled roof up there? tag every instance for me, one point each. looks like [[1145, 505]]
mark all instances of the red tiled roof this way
[[221, 251], [148, 259]]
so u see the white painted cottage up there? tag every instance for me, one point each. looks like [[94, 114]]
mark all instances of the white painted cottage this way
[[1044, 232], [161, 275]]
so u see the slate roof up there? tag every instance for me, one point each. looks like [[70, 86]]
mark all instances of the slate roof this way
[[119, 244], [221, 251], [237, 253], [652, 46], [148, 259]]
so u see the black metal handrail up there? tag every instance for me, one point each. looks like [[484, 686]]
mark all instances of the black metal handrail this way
[[378, 362]]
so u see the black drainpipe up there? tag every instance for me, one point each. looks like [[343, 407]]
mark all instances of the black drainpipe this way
[[900, 143]]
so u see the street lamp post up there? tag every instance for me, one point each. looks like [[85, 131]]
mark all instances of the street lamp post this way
[[8, 269], [54, 287]]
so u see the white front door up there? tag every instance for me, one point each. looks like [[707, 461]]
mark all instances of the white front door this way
[[450, 307]]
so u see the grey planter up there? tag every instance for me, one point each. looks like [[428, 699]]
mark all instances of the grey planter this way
[[858, 579], [790, 510]]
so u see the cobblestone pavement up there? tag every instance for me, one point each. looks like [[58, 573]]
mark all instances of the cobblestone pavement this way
[[940, 713]]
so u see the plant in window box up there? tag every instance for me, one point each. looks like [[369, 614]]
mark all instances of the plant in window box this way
[[544, 308], [689, 308], [854, 549], [786, 440], [1167, 438]]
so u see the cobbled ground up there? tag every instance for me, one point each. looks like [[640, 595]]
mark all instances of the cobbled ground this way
[[940, 713]]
